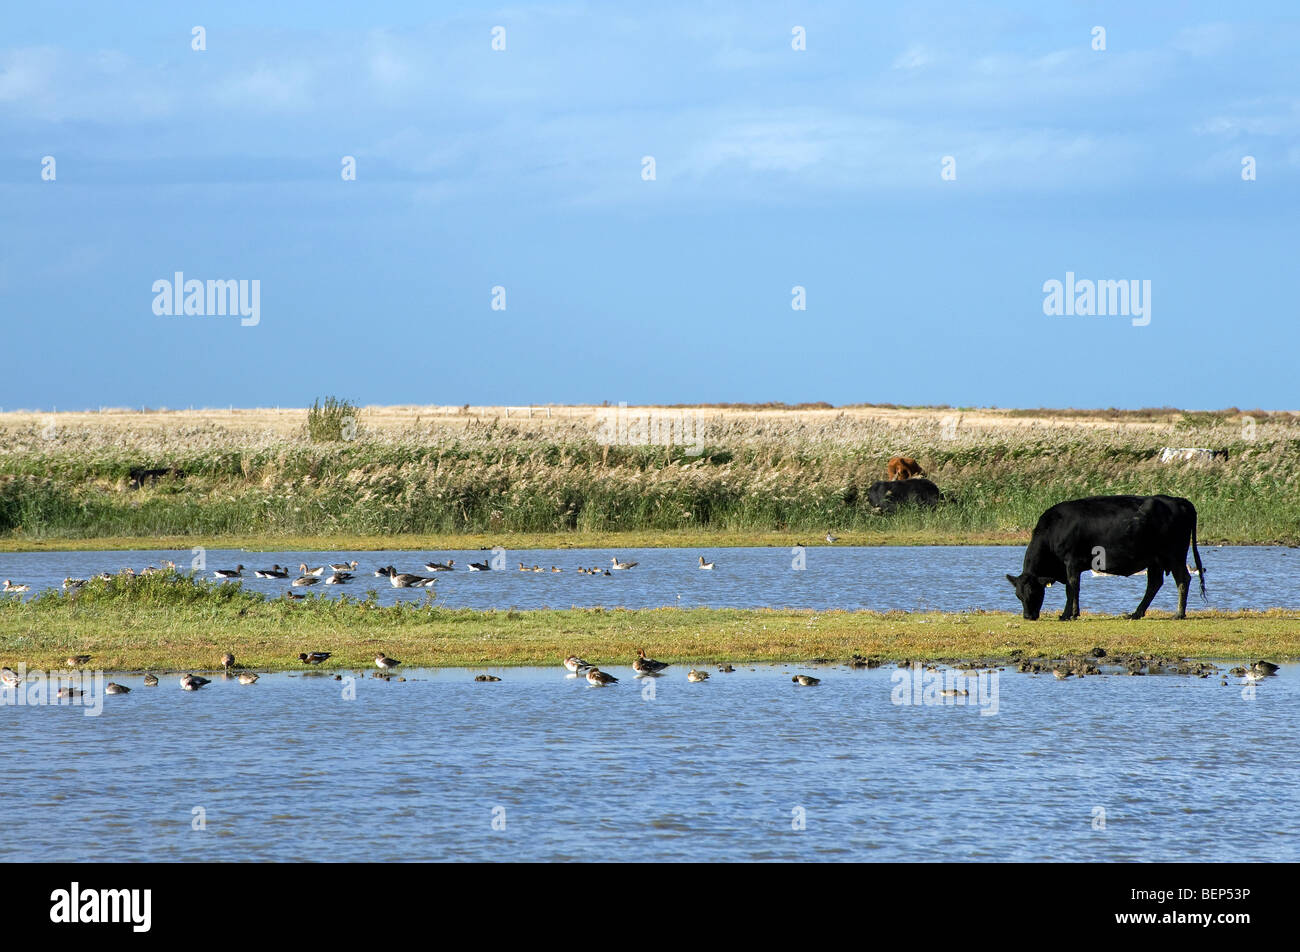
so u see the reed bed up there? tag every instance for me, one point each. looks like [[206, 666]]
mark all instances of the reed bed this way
[[720, 474]]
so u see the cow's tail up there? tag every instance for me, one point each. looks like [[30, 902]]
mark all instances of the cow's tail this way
[[1200, 569]]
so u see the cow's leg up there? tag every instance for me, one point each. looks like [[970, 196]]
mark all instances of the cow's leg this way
[[1155, 578], [1071, 594], [1184, 580]]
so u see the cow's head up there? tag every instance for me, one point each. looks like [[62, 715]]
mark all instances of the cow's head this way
[[1029, 589]]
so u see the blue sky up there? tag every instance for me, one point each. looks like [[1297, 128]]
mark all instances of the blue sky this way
[[522, 168]]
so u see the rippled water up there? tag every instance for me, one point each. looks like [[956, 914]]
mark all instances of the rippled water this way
[[882, 578], [287, 769]]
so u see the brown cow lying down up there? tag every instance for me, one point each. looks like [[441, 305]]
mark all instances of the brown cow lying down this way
[[904, 467]]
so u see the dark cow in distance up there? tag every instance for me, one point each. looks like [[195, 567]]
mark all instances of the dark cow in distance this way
[[888, 494], [903, 467], [1120, 535]]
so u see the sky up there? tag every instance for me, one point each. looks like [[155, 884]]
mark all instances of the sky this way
[[921, 170]]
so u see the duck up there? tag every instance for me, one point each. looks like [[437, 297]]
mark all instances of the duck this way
[[556, 569], [581, 570], [294, 595], [953, 692], [344, 566], [237, 572], [523, 568], [620, 566], [806, 680], [384, 662], [339, 578], [275, 571], [831, 539], [644, 665], [302, 580], [318, 571], [404, 579], [227, 661], [706, 566], [600, 678], [9, 677], [76, 661], [192, 682], [114, 688], [74, 582], [693, 675], [726, 669], [480, 567], [1264, 667], [576, 664], [70, 692], [248, 677], [313, 657], [538, 568], [487, 677], [1061, 673], [151, 680], [11, 587], [440, 566]]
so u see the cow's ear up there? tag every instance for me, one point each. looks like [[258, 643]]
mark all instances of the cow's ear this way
[[1012, 579]]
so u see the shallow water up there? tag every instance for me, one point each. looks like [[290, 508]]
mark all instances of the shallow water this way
[[287, 769], [880, 578]]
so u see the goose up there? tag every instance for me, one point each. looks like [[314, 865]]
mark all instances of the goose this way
[[430, 583], [74, 582], [600, 678], [304, 580], [404, 579], [76, 661], [151, 680], [9, 677], [318, 571], [192, 682], [274, 571], [383, 661], [644, 665], [806, 680], [11, 587], [479, 567], [339, 578], [832, 539], [237, 572], [344, 566], [227, 661], [622, 565], [381, 571], [248, 677], [706, 566], [576, 664], [314, 657], [487, 677], [440, 566], [114, 688], [693, 675]]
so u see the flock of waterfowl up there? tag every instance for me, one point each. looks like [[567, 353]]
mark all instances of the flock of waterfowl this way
[[649, 667]]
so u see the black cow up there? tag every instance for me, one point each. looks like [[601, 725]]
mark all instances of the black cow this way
[[889, 494], [1120, 535]]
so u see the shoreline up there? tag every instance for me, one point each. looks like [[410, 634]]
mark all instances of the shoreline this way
[[268, 635], [462, 542]]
